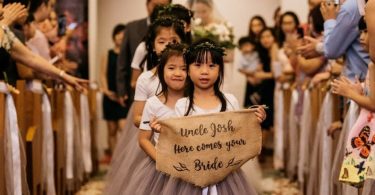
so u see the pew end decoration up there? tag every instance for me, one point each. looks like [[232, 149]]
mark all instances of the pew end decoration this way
[[205, 149]]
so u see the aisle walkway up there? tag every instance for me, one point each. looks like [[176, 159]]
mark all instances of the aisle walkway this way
[[273, 183]]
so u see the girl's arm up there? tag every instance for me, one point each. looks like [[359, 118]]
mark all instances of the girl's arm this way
[[137, 112], [135, 75], [367, 102], [310, 66], [346, 89], [24, 72], [264, 75], [22, 54], [144, 138], [103, 73]]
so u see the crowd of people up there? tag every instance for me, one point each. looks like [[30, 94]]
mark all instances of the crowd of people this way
[[316, 80], [312, 86], [32, 48]]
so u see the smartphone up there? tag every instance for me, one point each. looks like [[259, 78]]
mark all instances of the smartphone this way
[[55, 59], [336, 2], [72, 26], [300, 32], [61, 25]]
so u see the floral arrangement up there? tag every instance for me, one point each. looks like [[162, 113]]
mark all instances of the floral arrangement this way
[[221, 33]]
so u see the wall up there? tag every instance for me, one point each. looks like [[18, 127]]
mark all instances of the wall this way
[[300, 7]]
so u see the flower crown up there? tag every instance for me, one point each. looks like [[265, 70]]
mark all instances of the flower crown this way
[[170, 7], [165, 20], [174, 47], [207, 46]]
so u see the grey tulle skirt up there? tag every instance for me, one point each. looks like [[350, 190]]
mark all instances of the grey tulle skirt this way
[[147, 180], [126, 158]]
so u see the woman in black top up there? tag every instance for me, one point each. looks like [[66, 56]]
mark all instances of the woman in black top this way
[[114, 113]]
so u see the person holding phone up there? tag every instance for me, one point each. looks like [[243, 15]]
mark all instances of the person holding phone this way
[[341, 37]]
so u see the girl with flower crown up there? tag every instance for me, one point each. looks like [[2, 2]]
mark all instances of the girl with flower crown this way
[[205, 70]]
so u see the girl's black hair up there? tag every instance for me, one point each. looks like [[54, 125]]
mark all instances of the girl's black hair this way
[[163, 22], [251, 33], [281, 35], [362, 24], [244, 40], [118, 28], [172, 49], [174, 10], [198, 53], [317, 19], [35, 4]]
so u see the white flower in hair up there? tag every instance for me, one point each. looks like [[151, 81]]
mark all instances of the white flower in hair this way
[[197, 21]]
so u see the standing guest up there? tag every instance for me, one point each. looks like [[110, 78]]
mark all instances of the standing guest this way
[[341, 36], [22, 54], [134, 32], [114, 113], [13, 70], [289, 24], [39, 11], [256, 25]]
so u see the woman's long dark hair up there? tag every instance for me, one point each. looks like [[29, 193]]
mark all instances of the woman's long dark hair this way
[[281, 35], [317, 19], [164, 22], [198, 53], [171, 50], [251, 33]]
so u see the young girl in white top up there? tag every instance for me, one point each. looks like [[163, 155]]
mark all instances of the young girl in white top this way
[[139, 62], [128, 154], [205, 67], [146, 179], [163, 31]]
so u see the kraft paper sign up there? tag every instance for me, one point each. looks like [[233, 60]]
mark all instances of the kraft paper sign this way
[[204, 149]]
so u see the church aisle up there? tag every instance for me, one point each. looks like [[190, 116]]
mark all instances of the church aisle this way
[[273, 182]]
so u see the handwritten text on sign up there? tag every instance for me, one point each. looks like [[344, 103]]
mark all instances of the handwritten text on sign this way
[[203, 150]]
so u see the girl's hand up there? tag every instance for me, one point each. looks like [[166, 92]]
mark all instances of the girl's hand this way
[[345, 87], [260, 113], [329, 10], [111, 95], [77, 83], [12, 12], [154, 124], [319, 78], [335, 126]]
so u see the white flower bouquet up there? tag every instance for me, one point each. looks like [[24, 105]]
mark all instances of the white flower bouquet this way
[[221, 33]]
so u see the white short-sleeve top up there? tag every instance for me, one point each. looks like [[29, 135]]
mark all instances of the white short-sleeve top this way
[[146, 87], [155, 108], [183, 104], [139, 55]]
